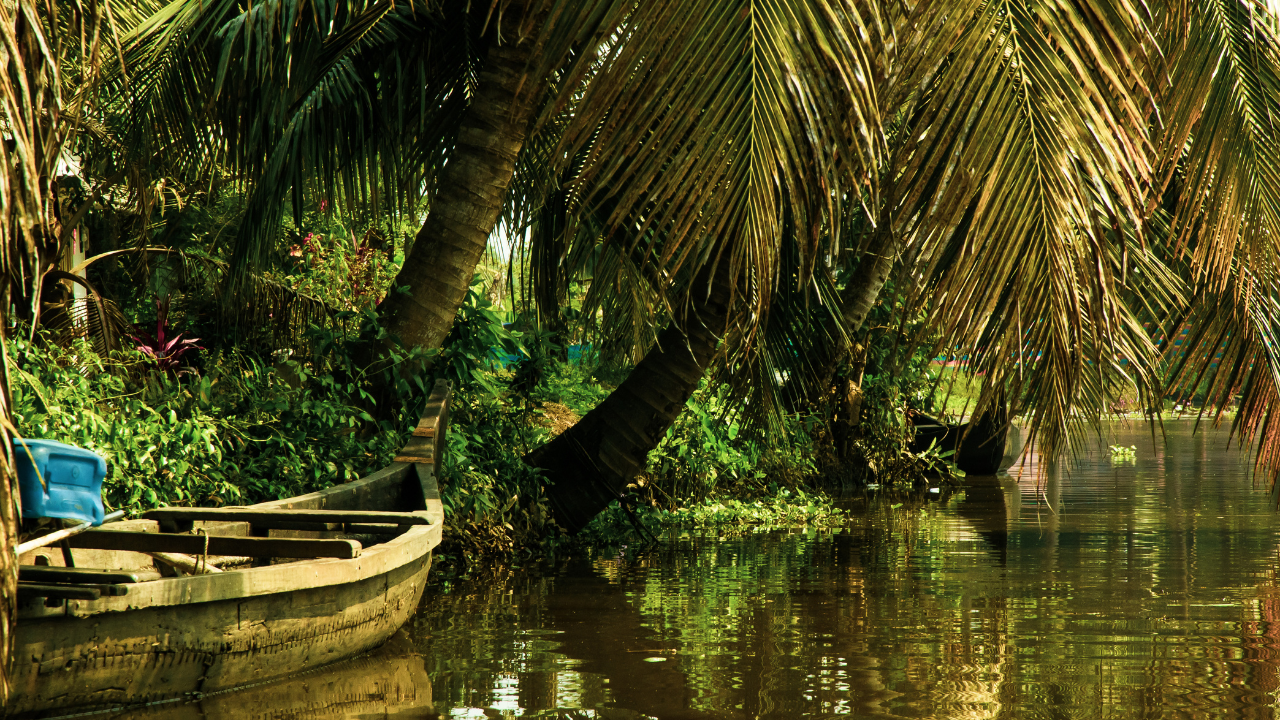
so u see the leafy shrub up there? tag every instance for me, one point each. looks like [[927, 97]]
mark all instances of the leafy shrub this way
[[891, 371], [708, 452], [168, 349], [494, 501], [344, 269], [244, 432], [574, 384], [780, 508]]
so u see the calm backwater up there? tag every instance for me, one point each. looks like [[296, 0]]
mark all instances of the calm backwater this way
[[1151, 592]]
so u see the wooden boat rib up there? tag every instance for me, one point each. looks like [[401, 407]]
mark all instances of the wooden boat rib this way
[[334, 573]]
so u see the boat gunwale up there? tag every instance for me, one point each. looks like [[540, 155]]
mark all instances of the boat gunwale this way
[[415, 543]]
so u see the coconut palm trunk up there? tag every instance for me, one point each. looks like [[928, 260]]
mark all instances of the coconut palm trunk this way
[[465, 209], [590, 464], [857, 297], [862, 290]]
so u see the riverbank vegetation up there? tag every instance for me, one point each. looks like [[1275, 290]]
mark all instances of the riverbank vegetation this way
[[218, 424]]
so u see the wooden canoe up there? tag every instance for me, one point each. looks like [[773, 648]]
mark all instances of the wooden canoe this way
[[295, 584]]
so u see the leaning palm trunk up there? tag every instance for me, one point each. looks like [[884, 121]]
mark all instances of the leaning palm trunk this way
[[858, 296], [863, 289], [463, 213], [590, 464]]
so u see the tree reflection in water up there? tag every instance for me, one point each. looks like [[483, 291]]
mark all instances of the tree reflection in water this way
[[1150, 592], [1141, 589]]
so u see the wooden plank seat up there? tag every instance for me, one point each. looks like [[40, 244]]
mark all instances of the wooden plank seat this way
[[58, 591], [195, 545], [49, 574], [181, 519]]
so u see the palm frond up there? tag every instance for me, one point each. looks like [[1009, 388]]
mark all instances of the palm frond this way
[[344, 101], [1220, 157], [1228, 353], [1037, 117], [1219, 179], [703, 125]]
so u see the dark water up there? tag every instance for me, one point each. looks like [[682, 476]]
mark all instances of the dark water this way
[[1128, 589]]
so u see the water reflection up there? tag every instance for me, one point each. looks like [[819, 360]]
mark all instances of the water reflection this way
[[1131, 589], [391, 682]]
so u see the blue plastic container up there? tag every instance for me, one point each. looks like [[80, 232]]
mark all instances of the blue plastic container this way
[[72, 487]]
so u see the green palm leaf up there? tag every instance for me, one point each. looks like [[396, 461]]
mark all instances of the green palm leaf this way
[[1218, 176], [1036, 118], [719, 123]]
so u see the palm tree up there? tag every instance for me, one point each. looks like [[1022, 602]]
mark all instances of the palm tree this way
[[1024, 192], [719, 150], [969, 93], [378, 105], [1001, 151], [723, 182], [1023, 154]]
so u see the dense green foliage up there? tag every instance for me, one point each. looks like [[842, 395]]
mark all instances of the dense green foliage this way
[[242, 431], [233, 427], [495, 500], [491, 497], [712, 451], [891, 373]]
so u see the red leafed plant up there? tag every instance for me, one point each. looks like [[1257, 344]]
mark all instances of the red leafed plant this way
[[164, 346]]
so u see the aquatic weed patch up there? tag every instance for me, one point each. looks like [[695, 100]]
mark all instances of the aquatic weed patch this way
[[785, 508], [1121, 455]]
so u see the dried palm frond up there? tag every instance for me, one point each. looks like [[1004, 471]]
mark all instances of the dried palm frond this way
[[91, 317]]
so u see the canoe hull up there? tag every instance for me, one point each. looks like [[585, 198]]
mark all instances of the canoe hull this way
[[188, 635], [165, 652]]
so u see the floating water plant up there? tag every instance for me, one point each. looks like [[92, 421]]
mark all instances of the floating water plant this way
[[1122, 454]]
